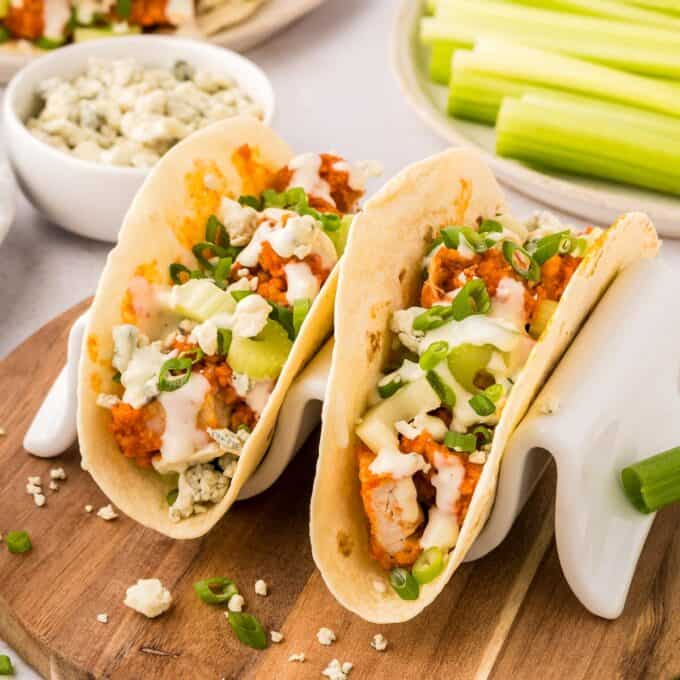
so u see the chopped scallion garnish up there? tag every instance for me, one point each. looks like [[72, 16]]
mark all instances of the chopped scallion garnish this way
[[482, 405], [179, 274], [248, 630], [171, 496], [444, 391], [6, 667], [216, 590], [520, 260], [404, 584], [434, 354], [473, 298], [174, 374], [429, 565], [488, 226], [457, 441], [238, 295], [223, 341], [222, 271], [390, 388]]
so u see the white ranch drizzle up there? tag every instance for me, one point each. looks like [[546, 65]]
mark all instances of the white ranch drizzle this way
[[305, 169]]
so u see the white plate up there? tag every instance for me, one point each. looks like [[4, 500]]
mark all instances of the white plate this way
[[273, 16], [7, 199], [598, 201]]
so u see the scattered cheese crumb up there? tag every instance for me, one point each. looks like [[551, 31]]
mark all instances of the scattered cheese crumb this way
[[276, 636], [107, 513], [103, 618], [379, 642], [57, 473], [33, 489], [39, 499], [260, 587], [54, 486], [478, 457], [2, 432], [236, 603], [148, 597], [337, 671], [35, 480], [325, 636], [297, 657], [379, 586], [88, 508]]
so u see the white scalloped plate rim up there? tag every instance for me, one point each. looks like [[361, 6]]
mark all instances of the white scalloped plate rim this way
[[596, 201]]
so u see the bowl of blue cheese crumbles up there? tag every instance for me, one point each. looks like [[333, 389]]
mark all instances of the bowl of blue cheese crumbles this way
[[85, 124]]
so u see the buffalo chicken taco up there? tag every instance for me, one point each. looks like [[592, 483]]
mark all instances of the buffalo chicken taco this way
[[220, 289], [449, 316]]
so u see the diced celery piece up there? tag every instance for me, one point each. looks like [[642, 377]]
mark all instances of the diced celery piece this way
[[261, 357], [200, 299], [466, 361], [339, 237], [376, 429]]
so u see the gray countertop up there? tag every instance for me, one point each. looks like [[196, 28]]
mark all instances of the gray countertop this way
[[335, 91]]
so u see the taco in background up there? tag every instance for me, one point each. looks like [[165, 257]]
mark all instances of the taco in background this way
[[220, 289], [450, 314]]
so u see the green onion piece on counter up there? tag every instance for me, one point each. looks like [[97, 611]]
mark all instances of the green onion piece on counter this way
[[390, 388], [494, 392], [6, 667], [653, 483], [488, 226], [251, 201], [444, 391], [238, 295], [222, 271], [482, 405], [434, 354], [483, 434], [300, 309], [176, 272], [456, 441], [174, 374], [404, 584], [520, 260], [216, 590], [18, 542], [124, 8], [195, 354], [223, 341], [248, 630], [429, 565], [171, 496], [451, 237], [473, 298], [215, 232]]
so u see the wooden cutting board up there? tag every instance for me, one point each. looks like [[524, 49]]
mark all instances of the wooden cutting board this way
[[510, 615]]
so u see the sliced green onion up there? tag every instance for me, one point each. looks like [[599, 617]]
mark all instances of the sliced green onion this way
[[474, 240], [176, 271], [223, 341], [473, 298], [434, 354], [6, 667], [215, 232], [174, 374], [330, 221], [300, 309], [428, 565], [222, 271], [238, 295], [216, 590], [273, 199], [494, 392], [116, 377], [653, 483], [171, 496], [199, 251], [404, 584], [123, 8], [451, 237], [195, 354], [296, 196], [437, 242], [433, 318], [18, 542], [248, 630], [488, 226], [283, 316], [457, 441], [390, 388], [251, 201], [483, 434], [444, 391], [482, 405], [520, 260], [551, 245]]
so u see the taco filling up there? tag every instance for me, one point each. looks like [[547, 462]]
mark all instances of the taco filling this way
[[488, 293], [191, 396]]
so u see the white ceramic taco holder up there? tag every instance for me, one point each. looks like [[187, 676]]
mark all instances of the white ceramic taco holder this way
[[614, 399]]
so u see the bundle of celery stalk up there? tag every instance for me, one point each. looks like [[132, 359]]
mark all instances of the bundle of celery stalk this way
[[590, 87]]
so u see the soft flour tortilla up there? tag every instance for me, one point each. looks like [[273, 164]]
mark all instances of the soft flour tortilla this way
[[167, 215], [382, 273], [214, 17]]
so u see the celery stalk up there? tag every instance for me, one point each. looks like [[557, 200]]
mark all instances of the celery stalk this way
[[670, 6], [531, 68], [587, 139], [640, 49], [440, 61], [610, 9]]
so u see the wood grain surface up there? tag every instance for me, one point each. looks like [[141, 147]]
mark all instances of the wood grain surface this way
[[509, 615]]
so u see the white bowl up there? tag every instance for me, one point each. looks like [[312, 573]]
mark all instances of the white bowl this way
[[90, 198]]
